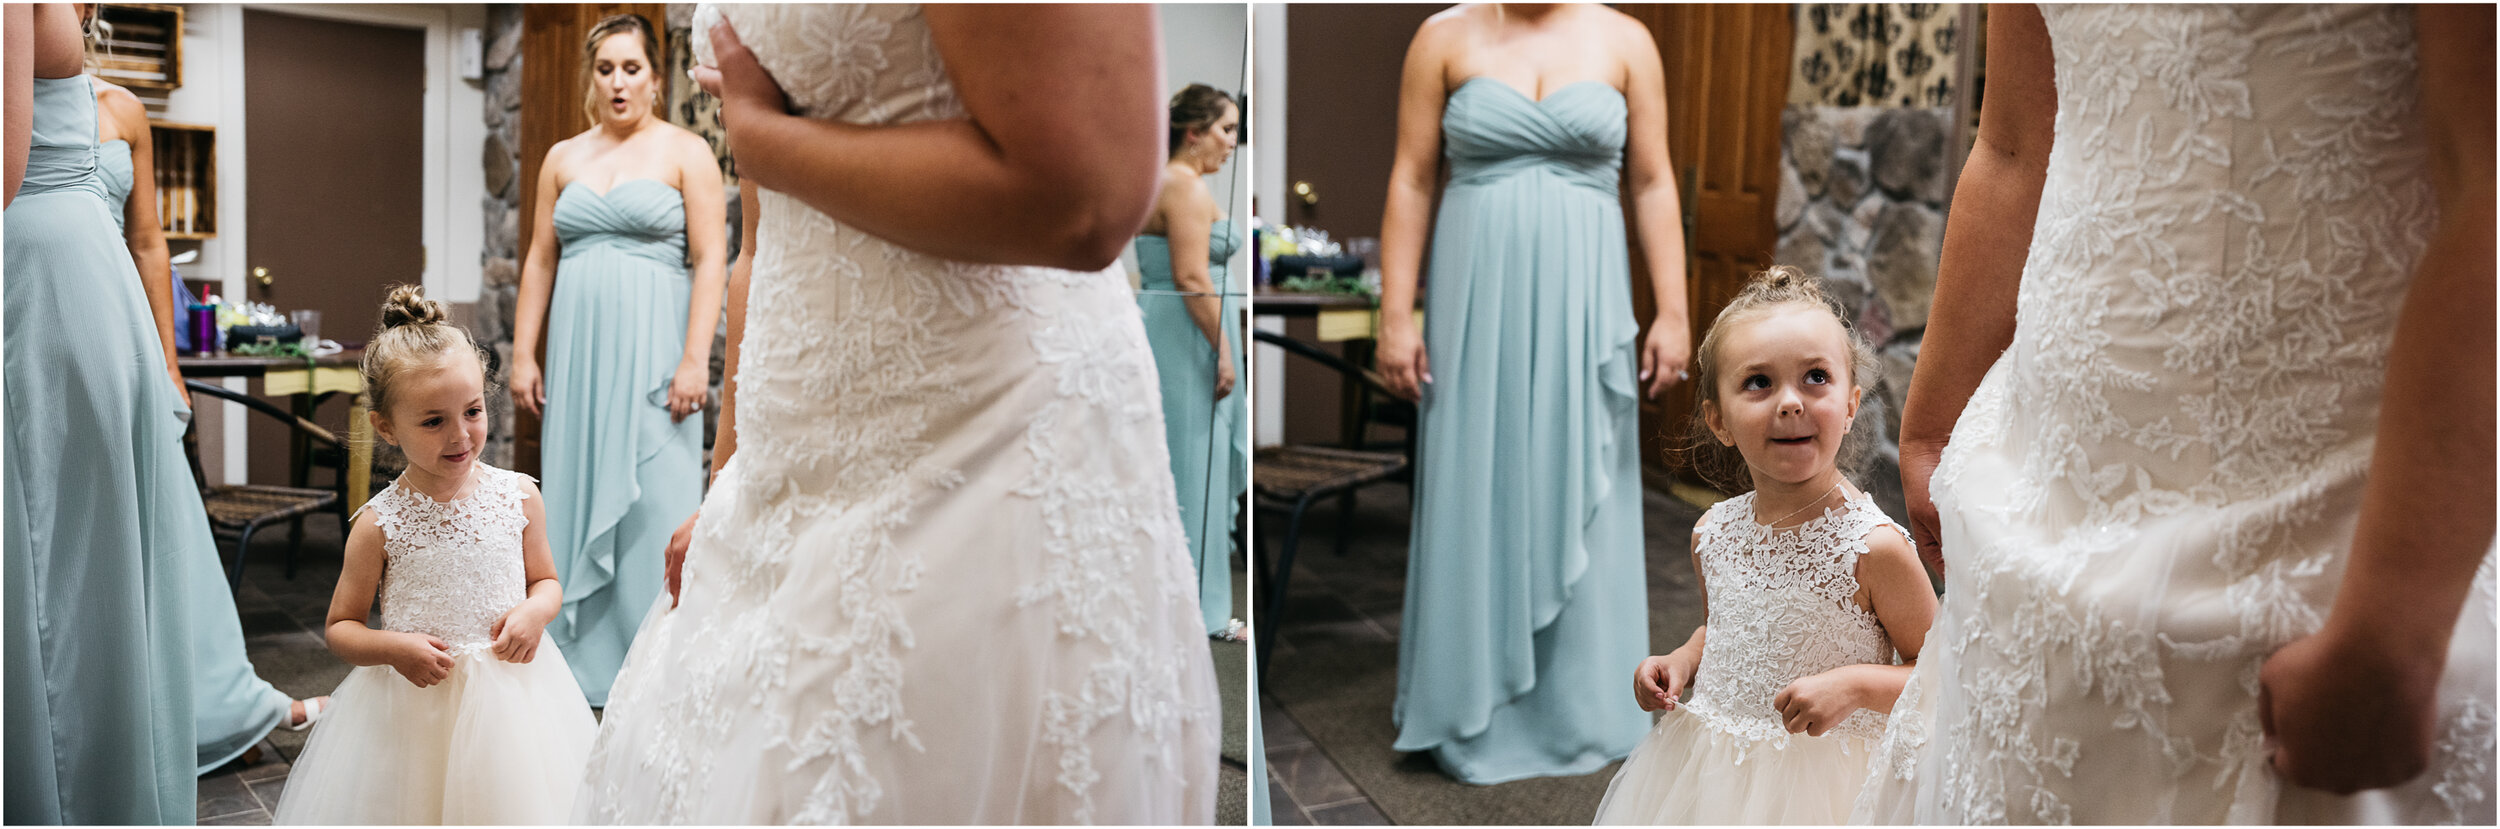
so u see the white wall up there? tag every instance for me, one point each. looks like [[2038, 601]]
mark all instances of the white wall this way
[[454, 185], [1267, 162], [1208, 43]]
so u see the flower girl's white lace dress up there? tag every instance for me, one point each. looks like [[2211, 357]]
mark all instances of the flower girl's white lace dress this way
[[496, 742], [1782, 607], [943, 580], [2156, 485]]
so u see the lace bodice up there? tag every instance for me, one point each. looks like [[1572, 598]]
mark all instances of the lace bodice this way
[[902, 404], [2234, 199], [453, 567], [1782, 607], [2157, 484]]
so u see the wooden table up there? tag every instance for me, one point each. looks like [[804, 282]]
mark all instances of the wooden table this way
[[1342, 318], [307, 384]]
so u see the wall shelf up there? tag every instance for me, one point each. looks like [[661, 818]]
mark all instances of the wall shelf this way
[[186, 179], [143, 50]]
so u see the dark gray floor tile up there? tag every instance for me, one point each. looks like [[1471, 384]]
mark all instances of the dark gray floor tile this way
[[252, 818], [1310, 775], [1278, 728], [1281, 807], [225, 794], [1357, 813]]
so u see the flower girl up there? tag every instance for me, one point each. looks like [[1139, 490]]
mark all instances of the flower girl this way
[[1811, 590], [459, 712]]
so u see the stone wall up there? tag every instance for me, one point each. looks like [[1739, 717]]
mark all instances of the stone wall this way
[[1863, 194], [502, 256]]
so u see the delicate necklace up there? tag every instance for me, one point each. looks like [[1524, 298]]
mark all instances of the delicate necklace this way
[[1816, 502]]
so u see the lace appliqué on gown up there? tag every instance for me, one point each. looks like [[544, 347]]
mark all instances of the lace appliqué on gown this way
[[930, 445], [2156, 485]]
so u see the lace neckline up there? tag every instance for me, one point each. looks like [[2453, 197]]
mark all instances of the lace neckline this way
[[477, 484], [1744, 508]]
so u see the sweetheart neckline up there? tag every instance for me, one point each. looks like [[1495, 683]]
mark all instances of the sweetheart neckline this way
[[1549, 95], [613, 186]]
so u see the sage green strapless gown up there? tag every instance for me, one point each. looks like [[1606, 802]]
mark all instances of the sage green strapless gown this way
[[233, 705], [619, 476], [102, 524], [1210, 448], [1525, 605]]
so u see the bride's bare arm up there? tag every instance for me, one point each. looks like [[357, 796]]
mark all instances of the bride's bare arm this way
[[2426, 519], [1056, 165], [1981, 268], [19, 100]]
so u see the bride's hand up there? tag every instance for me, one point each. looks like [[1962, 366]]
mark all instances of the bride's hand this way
[[675, 558], [739, 81], [1918, 468], [2344, 716]]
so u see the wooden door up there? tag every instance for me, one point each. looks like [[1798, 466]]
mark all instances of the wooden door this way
[[552, 89], [1342, 64], [1727, 78], [336, 117]]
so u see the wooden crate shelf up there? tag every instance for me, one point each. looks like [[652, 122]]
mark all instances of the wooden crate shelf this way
[[186, 179], [143, 49]]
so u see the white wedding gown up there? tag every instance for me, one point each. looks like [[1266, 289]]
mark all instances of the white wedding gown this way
[[2156, 485], [944, 579]]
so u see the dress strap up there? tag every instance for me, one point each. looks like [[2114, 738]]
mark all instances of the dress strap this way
[[386, 506]]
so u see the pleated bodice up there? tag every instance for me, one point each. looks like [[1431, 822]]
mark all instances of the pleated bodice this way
[[638, 217], [1154, 256], [62, 154], [1489, 131], [114, 166]]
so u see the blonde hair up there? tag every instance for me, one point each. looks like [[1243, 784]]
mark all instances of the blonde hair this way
[[617, 24], [1721, 465], [415, 334]]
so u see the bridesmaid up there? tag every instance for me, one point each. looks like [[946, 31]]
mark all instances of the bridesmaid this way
[[1196, 338], [233, 705], [1524, 597], [101, 518], [622, 209]]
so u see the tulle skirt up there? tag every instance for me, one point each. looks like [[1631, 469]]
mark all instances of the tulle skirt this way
[[1688, 773], [496, 743]]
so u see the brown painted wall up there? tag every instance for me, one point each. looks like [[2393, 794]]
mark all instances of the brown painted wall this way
[[336, 117]]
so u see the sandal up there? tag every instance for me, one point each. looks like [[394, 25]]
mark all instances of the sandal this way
[[313, 709]]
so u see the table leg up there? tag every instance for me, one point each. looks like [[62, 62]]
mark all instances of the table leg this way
[[359, 455]]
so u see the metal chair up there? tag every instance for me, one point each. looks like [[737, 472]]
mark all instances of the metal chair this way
[[1289, 479], [239, 510]]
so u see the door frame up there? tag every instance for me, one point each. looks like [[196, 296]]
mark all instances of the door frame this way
[[445, 241]]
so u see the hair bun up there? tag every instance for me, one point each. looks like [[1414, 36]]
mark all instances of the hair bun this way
[[1785, 277], [408, 306]]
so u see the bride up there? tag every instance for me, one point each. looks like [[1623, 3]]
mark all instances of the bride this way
[[941, 580], [2203, 424]]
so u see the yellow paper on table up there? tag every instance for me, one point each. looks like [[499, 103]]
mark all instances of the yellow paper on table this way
[[322, 380], [1338, 325]]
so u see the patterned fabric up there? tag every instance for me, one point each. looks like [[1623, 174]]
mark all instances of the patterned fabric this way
[[454, 566], [1876, 54], [943, 579], [1783, 606], [2157, 484]]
